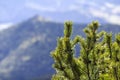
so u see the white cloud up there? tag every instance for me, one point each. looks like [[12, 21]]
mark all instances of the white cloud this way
[[113, 8], [59, 6], [109, 5], [86, 2], [98, 13], [104, 10], [108, 11], [5, 25], [39, 7], [111, 18]]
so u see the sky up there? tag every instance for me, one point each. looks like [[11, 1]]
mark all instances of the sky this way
[[15, 11]]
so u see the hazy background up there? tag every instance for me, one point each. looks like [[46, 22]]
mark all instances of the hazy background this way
[[15, 11], [29, 30]]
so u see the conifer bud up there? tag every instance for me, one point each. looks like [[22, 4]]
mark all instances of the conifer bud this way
[[95, 25], [68, 29]]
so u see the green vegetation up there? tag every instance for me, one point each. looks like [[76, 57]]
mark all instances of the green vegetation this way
[[99, 55]]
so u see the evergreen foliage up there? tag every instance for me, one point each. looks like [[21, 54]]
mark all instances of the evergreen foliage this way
[[99, 55]]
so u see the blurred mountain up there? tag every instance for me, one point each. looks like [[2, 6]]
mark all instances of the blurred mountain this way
[[25, 48]]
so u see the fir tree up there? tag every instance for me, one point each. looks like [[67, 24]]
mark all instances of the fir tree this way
[[99, 55]]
